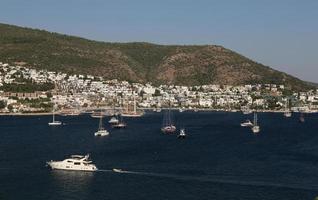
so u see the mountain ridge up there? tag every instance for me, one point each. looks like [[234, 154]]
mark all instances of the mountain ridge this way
[[136, 61]]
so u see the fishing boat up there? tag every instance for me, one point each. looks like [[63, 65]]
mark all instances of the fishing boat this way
[[101, 130], [247, 123], [167, 126], [182, 134], [54, 122], [255, 127]]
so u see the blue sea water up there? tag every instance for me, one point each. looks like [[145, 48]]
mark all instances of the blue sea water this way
[[218, 160]]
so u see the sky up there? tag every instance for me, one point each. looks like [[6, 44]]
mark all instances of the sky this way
[[282, 34]]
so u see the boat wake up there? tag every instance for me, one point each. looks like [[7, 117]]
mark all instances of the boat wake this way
[[219, 179]]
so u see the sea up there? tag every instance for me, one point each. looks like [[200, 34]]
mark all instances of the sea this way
[[218, 160]]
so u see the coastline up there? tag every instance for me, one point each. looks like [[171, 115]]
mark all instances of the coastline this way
[[150, 109]]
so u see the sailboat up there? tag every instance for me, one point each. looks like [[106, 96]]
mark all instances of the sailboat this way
[[120, 124], [287, 112], [101, 131], [133, 113], [255, 127], [54, 122], [167, 126]]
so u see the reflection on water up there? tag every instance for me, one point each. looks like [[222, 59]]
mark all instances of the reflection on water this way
[[71, 183]]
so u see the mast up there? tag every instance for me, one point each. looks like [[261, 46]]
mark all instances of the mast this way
[[100, 123], [255, 119], [53, 114], [135, 109]]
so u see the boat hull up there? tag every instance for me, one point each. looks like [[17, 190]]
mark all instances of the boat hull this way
[[168, 129], [56, 123], [60, 165]]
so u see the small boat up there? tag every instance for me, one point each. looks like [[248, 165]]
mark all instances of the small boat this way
[[54, 122], [180, 110], [287, 114], [101, 130], [247, 123], [118, 170], [98, 114], [255, 127], [75, 163], [113, 120], [182, 134], [120, 124]]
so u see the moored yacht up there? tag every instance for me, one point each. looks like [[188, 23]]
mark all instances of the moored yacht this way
[[168, 127], [287, 112], [120, 124], [54, 122], [101, 130], [113, 120], [255, 127], [75, 162]]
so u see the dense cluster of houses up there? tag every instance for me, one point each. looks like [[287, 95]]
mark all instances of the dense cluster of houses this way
[[85, 91]]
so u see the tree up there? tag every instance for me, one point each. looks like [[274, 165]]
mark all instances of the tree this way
[[2, 104], [157, 93]]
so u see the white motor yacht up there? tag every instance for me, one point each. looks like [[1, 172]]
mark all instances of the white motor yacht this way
[[76, 163], [54, 122]]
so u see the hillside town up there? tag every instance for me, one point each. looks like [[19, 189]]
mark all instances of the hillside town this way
[[27, 90]]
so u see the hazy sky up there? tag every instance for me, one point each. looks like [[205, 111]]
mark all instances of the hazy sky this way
[[282, 34]]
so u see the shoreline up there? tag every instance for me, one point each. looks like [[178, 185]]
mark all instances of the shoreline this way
[[150, 109]]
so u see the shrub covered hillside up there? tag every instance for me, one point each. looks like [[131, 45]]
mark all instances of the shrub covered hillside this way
[[138, 62]]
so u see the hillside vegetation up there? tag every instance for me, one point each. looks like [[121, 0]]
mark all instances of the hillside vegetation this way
[[137, 62]]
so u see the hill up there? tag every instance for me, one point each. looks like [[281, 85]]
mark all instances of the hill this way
[[138, 62]]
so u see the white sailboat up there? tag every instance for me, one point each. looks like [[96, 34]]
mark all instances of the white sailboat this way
[[54, 122], [287, 112], [255, 127], [101, 130]]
